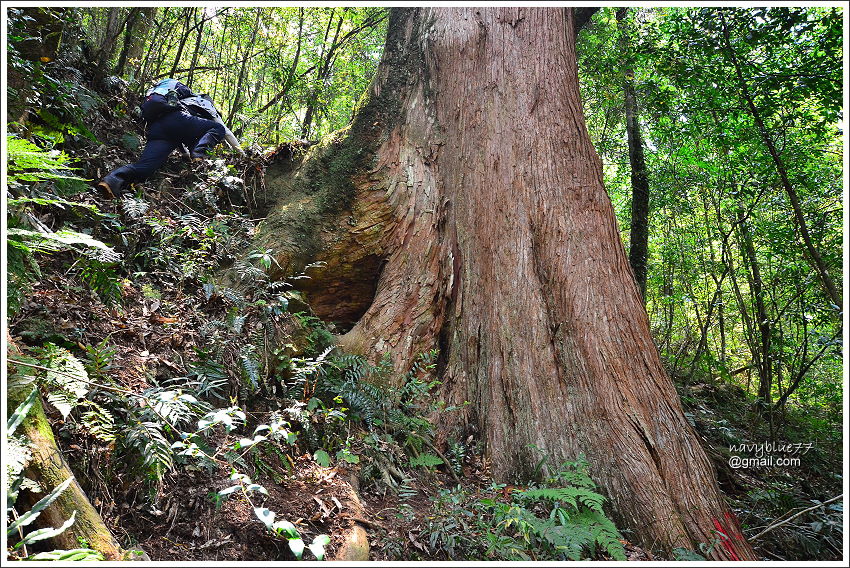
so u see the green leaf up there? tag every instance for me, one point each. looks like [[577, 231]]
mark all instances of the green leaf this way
[[689, 555], [42, 534], [317, 547], [67, 378], [63, 240], [73, 555], [346, 455], [426, 460], [322, 458], [266, 516], [236, 476], [247, 442], [56, 201], [284, 527], [21, 412], [296, 545], [36, 510]]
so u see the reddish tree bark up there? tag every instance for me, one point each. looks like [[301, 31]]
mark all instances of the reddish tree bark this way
[[469, 175]]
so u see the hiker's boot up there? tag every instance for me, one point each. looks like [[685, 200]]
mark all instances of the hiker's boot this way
[[110, 186]]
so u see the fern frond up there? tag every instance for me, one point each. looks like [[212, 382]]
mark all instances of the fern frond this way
[[604, 532], [211, 378], [193, 223], [250, 365], [134, 208], [100, 277], [148, 439], [407, 489], [573, 496], [175, 406], [67, 379], [99, 422], [233, 296]]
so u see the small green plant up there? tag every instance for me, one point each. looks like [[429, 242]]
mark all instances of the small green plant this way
[[426, 460], [687, 555], [573, 525], [277, 430], [30, 168]]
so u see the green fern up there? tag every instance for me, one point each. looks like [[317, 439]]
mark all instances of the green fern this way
[[576, 497], [67, 379], [37, 241], [210, 376], [176, 407], [134, 208], [28, 162], [99, 357], [604, 532], [250, 366], [99, 422], [101, 278], [303, 370], [148, 441], [576, 527], [364, 399], [407, 489], [455, 455], [426, 460]]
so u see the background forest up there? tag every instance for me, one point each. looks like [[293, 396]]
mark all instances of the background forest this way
[[720, 133]]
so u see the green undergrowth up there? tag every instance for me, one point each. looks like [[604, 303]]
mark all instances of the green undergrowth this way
[[773, 465], [559, 518]]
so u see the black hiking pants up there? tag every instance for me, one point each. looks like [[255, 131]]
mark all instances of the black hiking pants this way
[[164, 135]]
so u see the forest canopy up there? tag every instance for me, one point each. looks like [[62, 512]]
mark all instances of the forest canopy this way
[[281, 73]]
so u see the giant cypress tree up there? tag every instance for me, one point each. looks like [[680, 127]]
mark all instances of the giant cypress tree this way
[[464, 209]]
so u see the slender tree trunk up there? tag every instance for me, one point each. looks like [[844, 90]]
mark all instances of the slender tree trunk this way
[[763, 354], [110, 36], [184, 37], [240, 83], [196, 53], [321, 73], [220, 54], [140, 39], [465, 210], [132, 18], [814, 255], [161, 45], [153, 46], [639, 228]]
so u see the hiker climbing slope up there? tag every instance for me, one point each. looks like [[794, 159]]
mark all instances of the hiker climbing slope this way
[[170, 123]]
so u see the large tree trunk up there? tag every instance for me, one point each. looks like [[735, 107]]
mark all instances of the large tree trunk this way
[[464, 209]]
